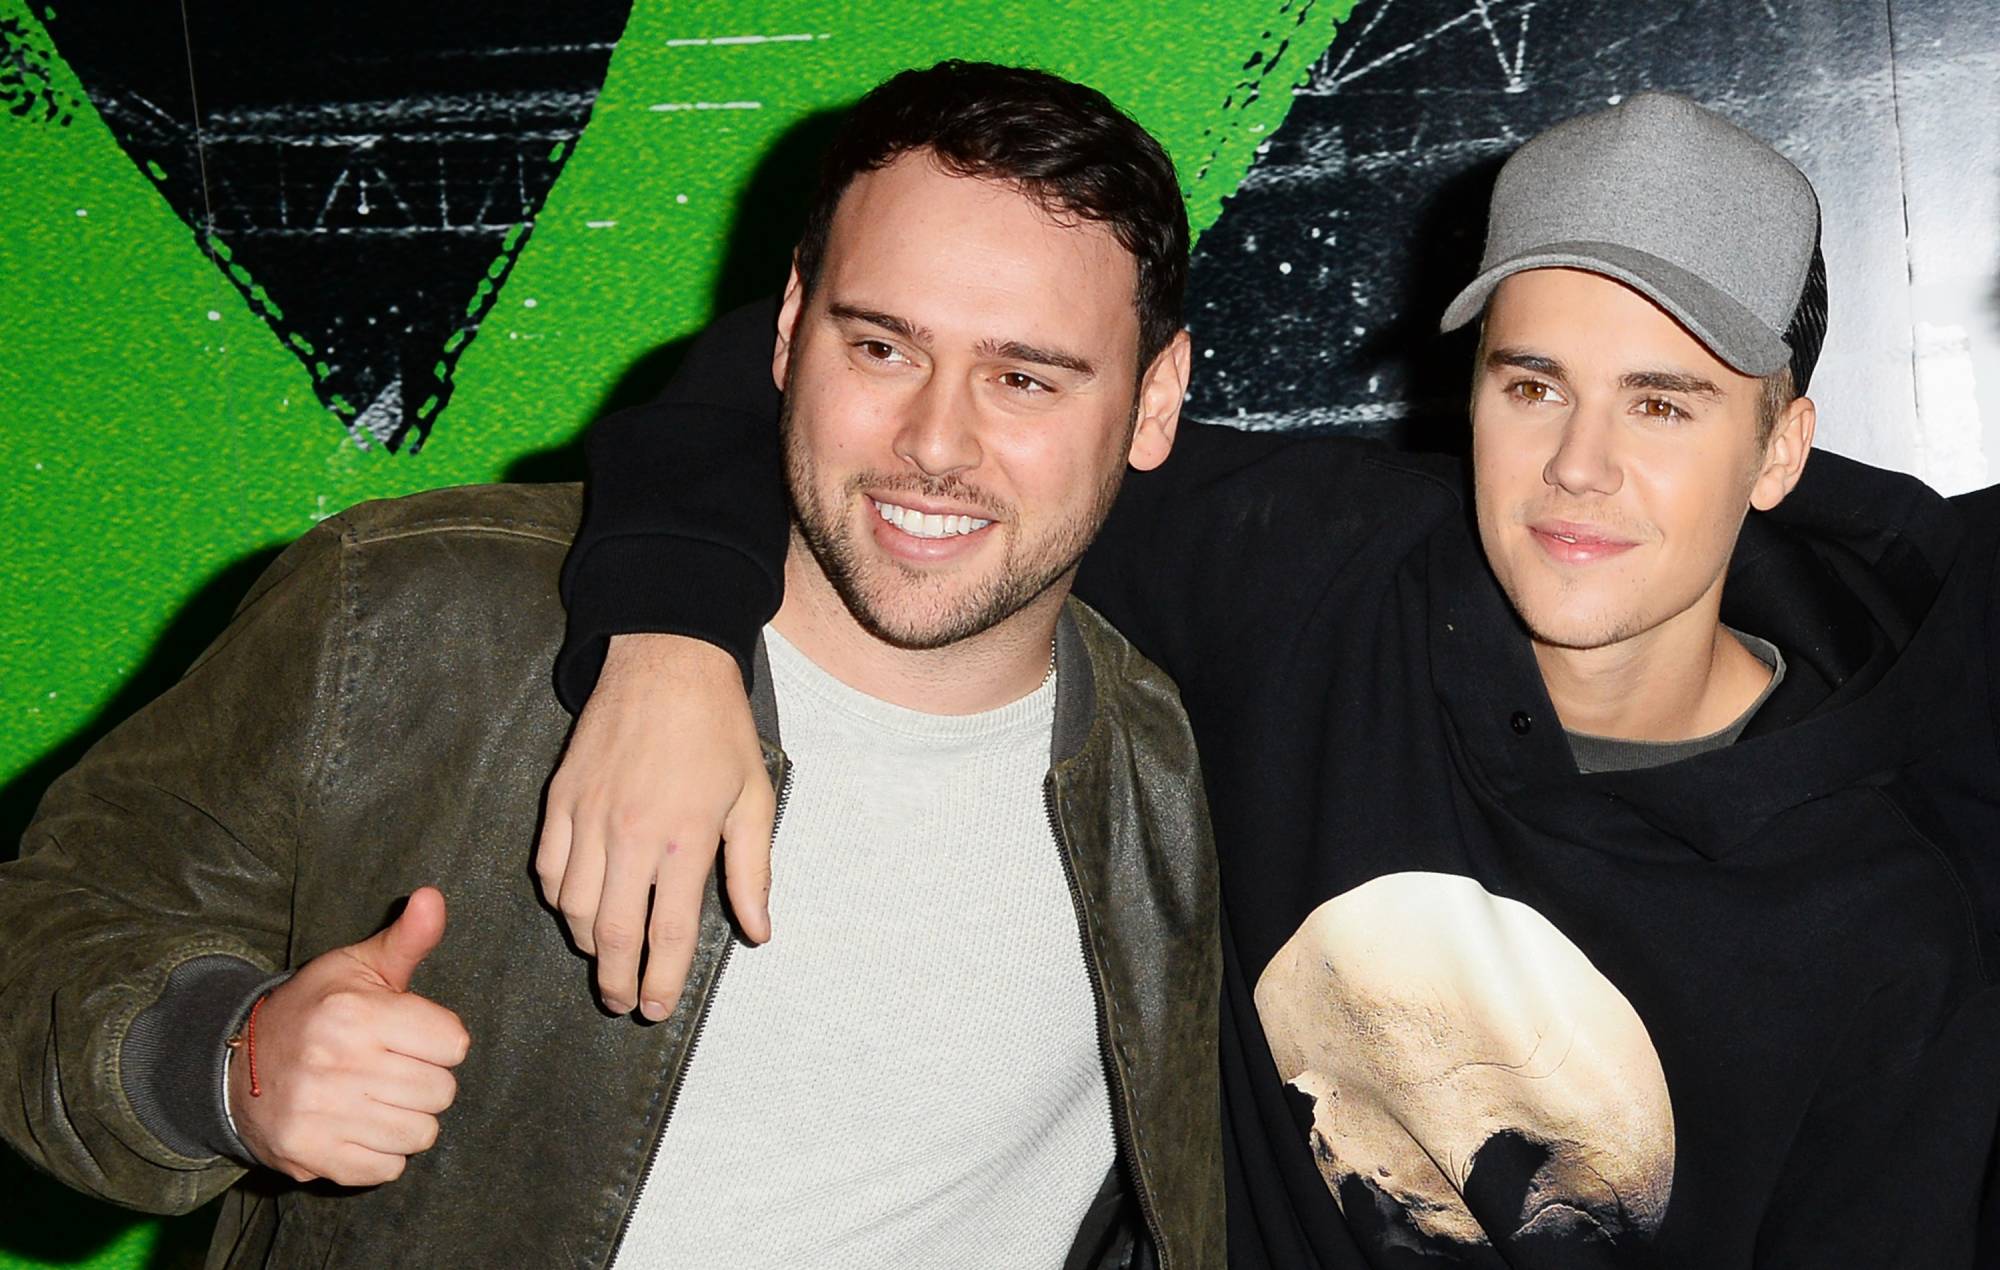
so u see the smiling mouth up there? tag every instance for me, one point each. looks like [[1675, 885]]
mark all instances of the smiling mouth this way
[[920, 524], [1577, 544]]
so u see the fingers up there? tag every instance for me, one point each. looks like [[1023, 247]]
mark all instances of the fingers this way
[[619, 932], [354, 1071], [390, 1130], [673, 931], [395, 952], [746, 858], [351, 1165], [662, 757], [416, 1028], [583, 886], [376, 1149], [413, 1085], [351, 1126], [552, 848]]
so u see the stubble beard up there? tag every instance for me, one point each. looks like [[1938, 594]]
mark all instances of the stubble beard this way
[[1601, 629], [1580, 634], [945, 616]]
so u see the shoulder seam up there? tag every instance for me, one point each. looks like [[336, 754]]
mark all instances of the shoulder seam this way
[[1967, 908], [335, 676], [355, 536]]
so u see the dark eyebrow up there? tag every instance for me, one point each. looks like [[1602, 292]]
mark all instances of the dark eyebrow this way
[[1014, 350], [1671, 381], [1522, 359], [887, 321], [1645, 380]]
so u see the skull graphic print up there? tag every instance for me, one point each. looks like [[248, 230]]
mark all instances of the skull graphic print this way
[[1474, 1087]]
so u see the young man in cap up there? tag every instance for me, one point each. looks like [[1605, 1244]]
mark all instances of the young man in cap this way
[[988, 1039], [1601, 859]]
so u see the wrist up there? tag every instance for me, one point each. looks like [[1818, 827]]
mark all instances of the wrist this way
[[172, 1063], [655, 652], [612, 588], [244, 1045], [242, 1077]]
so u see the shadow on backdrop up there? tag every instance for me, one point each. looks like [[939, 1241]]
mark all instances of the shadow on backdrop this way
[[197, 624], [64, 1227], [768, 216], [1447, 237]]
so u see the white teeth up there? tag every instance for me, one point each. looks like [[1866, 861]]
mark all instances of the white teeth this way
[[928, 525]]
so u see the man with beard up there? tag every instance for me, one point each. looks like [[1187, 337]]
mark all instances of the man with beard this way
[[1606, 855], [989, 1037]]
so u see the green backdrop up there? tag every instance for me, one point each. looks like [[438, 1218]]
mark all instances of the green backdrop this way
[[158, 440]]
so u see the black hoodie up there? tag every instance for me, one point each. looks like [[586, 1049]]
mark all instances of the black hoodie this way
[[1480, 1009]]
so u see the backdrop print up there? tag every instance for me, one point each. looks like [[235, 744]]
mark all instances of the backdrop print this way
[[262, 262]]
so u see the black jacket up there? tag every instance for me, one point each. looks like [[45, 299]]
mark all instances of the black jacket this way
[[1478, 1008]]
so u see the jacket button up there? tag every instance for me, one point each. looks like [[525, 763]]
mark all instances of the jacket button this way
[[1522, 723]]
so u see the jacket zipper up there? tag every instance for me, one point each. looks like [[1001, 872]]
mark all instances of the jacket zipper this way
[[1121, 1128], [694, 1038]]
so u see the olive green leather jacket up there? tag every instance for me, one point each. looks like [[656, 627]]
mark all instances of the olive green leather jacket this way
[[379, 716]]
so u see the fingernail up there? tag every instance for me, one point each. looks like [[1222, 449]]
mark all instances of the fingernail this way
[[653, 1010], [616, 1006]]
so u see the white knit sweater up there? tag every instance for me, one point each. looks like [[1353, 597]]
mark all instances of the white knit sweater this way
[[908, 1073]]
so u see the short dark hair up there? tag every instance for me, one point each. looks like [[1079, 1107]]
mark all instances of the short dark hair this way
[[1060, 143], [1775, 393]]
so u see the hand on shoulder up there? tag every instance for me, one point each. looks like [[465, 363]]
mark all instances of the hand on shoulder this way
[[664, 768]]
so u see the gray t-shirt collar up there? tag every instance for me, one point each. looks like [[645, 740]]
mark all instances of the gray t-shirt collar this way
[[1614, 754]]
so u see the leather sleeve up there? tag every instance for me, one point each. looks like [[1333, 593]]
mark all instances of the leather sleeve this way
[[166, 858], [172, 1061]]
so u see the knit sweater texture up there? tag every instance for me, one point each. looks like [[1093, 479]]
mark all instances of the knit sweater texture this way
[[908, 1072]]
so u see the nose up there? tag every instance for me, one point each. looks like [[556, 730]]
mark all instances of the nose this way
[[1585, 460], [938, 436]]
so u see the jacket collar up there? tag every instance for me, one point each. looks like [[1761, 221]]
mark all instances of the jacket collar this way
[[1076, 688], [763, 697]]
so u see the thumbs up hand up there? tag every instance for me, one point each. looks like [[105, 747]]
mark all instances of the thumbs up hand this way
[[354, 1068]]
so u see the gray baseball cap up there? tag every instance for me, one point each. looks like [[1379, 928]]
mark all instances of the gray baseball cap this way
[[1673, 200]]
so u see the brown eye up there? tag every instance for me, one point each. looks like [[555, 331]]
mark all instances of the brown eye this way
[[1021, 383], [1532, 390], [880, 351], [1661, 408]]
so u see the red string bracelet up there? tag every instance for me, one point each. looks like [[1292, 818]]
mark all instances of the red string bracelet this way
[[246, 1040]]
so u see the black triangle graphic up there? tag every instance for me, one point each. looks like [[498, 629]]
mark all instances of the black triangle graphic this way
[[365, 174]]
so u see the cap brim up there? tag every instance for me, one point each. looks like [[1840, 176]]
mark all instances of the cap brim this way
[[1723, 325]]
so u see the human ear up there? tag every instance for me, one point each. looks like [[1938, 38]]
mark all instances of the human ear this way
[[1161, 391], [1785, 455], [788, 321]]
